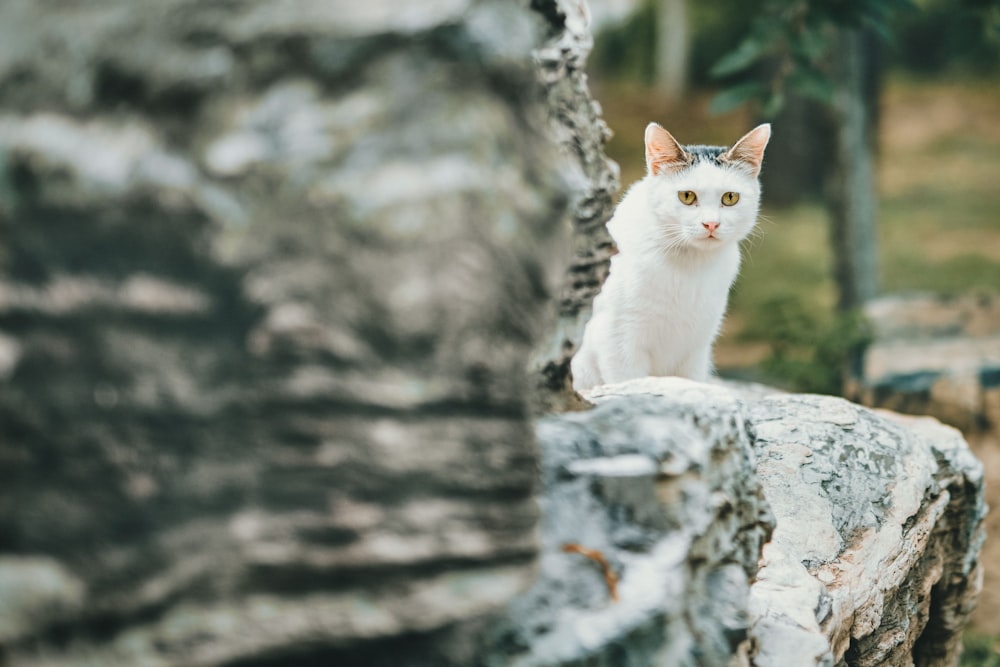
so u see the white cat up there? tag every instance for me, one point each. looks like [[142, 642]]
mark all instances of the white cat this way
[[678, 232]]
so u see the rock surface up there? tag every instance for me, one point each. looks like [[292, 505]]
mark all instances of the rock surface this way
[[940, 356], [575, 123], [662, 486], [269, 279], [873, 559]]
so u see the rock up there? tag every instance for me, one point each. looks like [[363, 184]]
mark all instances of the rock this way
[[662, 486], [35, 591], [934, 355], [269, 286], [940, 356], [575, 123], [874, 555], [269, 280], [874, 559]]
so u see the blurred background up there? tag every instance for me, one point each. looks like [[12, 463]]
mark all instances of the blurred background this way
[[934, 92], [880, 179]]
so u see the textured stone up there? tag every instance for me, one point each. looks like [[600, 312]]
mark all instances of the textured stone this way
[[575, 123], [269, 283], [874, 560], [940, 356], [658, 478], [934, 355], [269, 279]]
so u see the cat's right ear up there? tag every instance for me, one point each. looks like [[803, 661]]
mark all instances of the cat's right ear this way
[[749, 150], [663, 153]]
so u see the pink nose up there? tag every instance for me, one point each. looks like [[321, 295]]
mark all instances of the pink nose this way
[[710, 226]]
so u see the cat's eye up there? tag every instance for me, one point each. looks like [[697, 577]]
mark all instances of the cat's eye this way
[[687, 197], [730, 198]]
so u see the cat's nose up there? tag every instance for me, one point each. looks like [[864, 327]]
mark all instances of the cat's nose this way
[[710, 226]]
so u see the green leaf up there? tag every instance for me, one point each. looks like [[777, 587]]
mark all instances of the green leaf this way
[[811, 44], [743, 56], [733, 97], [879, 26], [772, 104], [811, 83]]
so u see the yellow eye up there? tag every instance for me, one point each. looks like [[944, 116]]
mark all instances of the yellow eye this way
[[730, 198], [687, 197]]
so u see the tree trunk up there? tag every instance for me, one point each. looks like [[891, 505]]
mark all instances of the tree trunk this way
[[671, 47], [851, 196], [797, 168]]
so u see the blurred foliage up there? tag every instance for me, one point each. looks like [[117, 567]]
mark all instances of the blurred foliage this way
[[948, 35], [761, 49], [811, 349], [939, 166], [625, 52], [786, 46], [980, 651]]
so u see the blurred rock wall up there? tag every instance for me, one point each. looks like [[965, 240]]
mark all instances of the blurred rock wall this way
[[270, 275]]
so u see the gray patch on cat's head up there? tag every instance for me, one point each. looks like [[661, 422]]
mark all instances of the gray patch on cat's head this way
[[710, 154], [716, 155]]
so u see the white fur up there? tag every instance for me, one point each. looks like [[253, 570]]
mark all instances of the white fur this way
[[663, 302]]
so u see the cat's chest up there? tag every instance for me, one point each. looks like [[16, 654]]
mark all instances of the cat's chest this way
[[697, 289]]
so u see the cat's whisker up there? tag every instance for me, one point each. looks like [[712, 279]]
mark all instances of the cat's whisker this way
[[765, 219], [756, 234], [670, 242]]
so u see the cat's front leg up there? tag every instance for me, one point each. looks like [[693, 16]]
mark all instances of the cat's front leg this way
[[698, 366], [627, 362]]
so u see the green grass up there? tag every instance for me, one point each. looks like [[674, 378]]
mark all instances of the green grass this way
[[980, 651], [789, 257]]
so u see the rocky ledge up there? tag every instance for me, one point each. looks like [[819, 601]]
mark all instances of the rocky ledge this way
[[873, 559]]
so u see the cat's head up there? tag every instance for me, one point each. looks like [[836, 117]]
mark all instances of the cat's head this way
[[704, 197]]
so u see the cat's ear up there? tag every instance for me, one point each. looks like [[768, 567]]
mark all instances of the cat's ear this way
[[749, 150], [663, 153]]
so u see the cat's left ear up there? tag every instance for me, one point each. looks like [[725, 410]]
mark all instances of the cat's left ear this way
[[663, 153], [749, 150]]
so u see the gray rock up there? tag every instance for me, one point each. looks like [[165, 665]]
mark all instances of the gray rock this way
[[268, 283], [934, 355], [874, 559], [663, 487], [576, 125], [940, 356]]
